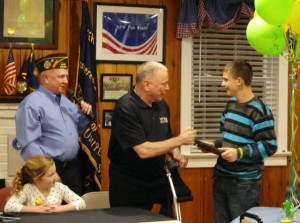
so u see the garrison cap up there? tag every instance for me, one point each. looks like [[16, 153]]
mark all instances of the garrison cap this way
[[52, 61]]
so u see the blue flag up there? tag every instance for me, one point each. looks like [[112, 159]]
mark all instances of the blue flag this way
[[30, 73], [86, 89]]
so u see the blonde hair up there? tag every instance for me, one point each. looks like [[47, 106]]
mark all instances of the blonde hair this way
[[34, 169]]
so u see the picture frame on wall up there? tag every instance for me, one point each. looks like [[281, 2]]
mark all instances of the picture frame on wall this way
[[24, 24], [114, 86], [129, 33], [106, 119]]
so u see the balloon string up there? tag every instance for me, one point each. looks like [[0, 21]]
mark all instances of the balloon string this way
[[275, 44], [293, 179]]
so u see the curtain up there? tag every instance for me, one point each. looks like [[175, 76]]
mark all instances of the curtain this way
[[214, 14]]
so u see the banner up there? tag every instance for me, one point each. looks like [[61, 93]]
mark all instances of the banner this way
[[29, 73], [33, 82], [10, 76], [86, 89]]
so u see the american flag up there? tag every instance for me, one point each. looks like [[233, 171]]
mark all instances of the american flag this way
[[10, 77]]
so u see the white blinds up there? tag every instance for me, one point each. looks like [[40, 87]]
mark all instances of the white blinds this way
[[209, 54]]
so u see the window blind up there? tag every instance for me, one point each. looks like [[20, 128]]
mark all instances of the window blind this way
[[210, 52]]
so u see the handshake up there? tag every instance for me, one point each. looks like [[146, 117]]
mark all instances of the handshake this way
[[189, 135]]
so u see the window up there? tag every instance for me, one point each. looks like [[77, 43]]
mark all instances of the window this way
[[202, 97]]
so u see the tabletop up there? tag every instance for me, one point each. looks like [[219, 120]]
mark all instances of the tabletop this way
[[111, 215]]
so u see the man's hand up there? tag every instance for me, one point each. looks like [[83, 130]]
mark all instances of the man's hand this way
[[86, 108], [188, 136], [182, 159]]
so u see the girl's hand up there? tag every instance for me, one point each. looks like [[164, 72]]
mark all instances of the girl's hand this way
[[61, 208], [43, 209]]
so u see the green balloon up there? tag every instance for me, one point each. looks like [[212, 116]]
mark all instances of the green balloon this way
[[275, 12], [265, 38]]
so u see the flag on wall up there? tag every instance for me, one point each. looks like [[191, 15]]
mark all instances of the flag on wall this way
[[29, 73], [10, 76], [86, 89], [32, 78]]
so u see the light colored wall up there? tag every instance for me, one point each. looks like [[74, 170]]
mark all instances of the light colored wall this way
[[10, 159]]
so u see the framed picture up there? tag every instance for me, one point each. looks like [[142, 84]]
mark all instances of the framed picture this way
[[113, 86], [129, 33], [106, 119], [27, 23]]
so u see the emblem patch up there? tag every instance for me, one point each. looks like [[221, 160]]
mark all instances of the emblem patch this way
[[163, 120]]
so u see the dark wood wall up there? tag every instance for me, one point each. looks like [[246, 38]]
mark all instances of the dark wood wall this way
[[199, 179]]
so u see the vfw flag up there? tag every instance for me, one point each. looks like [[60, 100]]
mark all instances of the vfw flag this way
[[86, 89]]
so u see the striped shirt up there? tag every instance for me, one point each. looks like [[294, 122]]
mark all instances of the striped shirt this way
[[249, 126]]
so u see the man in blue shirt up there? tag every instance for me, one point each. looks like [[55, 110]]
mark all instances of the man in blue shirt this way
[[48, 123]]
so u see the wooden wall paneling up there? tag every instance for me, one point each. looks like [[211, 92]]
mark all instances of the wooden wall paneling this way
[[74, 41], [147, 2], [127, 69], [63, 30], [104, 133], [105, 1], [4, 55], [3, 60], [274, 186], [192, 211], [207, 214], [121, 68], [173, 60], [23, 56], [127, 1], [297, 110]]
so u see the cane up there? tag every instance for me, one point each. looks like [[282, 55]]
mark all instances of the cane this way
[[170, 163]]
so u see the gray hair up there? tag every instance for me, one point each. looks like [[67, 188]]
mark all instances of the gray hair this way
[[148, 70]]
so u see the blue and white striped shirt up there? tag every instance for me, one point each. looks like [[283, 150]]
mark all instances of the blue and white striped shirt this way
[[250, 126]]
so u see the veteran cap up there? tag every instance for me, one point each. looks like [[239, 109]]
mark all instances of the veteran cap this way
[[52, 61]]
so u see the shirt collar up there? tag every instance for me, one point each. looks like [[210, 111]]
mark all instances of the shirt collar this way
[[49, 94], [140, 102]]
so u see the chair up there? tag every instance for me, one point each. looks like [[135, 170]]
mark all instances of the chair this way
[[96, 200], [4, 194]]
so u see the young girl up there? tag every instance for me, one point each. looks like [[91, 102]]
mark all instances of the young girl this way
[[35, 189]]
